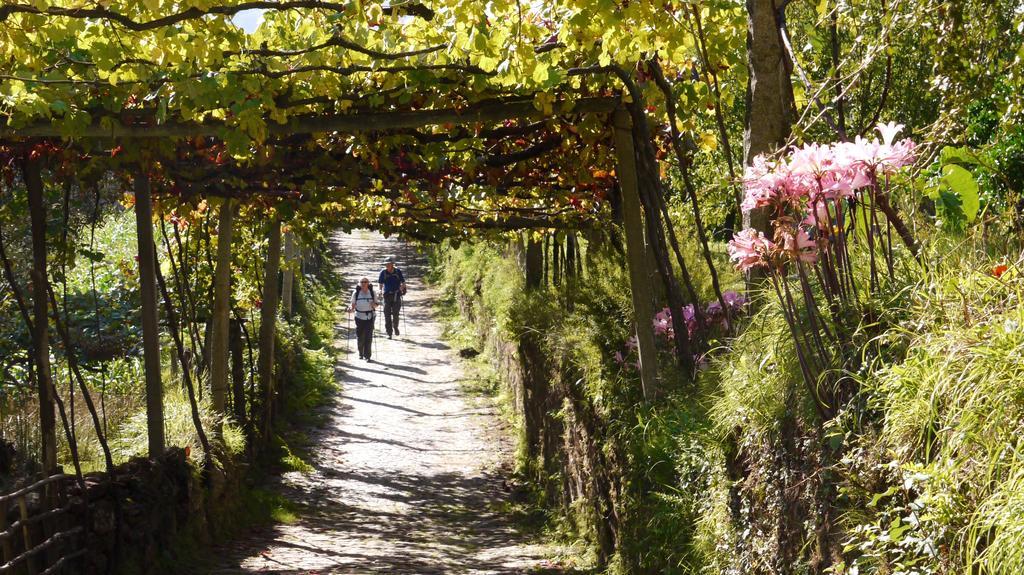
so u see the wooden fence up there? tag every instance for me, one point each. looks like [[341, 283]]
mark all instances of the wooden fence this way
[[42, 539]]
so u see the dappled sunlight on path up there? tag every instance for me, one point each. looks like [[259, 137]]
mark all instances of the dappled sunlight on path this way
[[407, 471]]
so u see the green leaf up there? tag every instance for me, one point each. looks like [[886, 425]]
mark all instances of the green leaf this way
[[962, 183], [896, 530], [540, 73], [95, 256], [879, 496], [958, 155]]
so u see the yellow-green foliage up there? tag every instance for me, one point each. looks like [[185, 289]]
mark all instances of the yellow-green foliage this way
[[954, 412], [485, 271]]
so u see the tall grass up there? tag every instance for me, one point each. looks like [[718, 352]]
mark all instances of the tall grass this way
[[755, 383], [129, 439], [953, 412]]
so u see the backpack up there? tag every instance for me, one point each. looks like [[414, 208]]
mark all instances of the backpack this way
[[355, 293], [401, 277]]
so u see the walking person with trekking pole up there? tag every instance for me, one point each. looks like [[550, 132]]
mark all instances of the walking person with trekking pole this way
[[392, 285], [364, 305]]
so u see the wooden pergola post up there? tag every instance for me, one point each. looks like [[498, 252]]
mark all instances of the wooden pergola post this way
[[150, 314], [268, 323], [291, 254], [221, 310], [636, 253]]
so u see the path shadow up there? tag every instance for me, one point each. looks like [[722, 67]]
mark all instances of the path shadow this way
[[458, 508], [368, 368], [432, 344], [383, 404], [402, 367]]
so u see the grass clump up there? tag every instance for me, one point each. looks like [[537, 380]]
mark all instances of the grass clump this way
[[179, 430]]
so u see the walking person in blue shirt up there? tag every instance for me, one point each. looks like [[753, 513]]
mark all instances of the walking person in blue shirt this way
[[392, 285], [364, 304]]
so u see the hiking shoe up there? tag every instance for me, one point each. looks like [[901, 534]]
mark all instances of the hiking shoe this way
[[396, 332], [389, 336]]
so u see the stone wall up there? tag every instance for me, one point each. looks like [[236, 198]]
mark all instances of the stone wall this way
[[577, 476], [135, 516], [134, 513]]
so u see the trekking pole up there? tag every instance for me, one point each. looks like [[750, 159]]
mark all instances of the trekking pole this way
[[401, 311], [348, 334]]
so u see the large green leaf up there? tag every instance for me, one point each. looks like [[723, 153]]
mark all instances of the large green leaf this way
[[959, 155], [961, 182]]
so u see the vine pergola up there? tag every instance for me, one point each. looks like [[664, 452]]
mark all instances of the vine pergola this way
[[401, 117]]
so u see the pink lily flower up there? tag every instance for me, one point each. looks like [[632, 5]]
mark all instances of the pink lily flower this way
[[801, 246], [748, 249]]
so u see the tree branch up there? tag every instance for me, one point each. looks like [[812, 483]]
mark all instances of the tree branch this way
[[342, 42], [545, 146], [355, 69], [196, 13]]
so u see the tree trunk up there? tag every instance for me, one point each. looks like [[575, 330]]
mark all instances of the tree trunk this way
[[221, 310], [556, 260], [547, 240], [771, 108], [570, 270], [570, 254], [288, 281], [534, 263], [535, 371], [41, 322], [636, 256], [237, 373], [268, 319], [150, 325]]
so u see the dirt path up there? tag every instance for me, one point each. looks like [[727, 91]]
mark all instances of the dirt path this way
[[408, 470]]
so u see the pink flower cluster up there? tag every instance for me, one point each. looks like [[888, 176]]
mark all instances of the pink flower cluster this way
[[713, 315], [803, 186]]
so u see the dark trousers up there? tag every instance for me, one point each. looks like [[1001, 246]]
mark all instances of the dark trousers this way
[[392, 305], [364, 336]]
